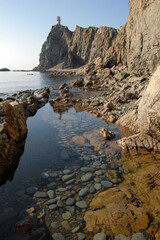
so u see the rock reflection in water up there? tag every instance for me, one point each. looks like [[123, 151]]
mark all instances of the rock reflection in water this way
[[7, 170]]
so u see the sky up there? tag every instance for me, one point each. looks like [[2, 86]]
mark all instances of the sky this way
[[25, 24]]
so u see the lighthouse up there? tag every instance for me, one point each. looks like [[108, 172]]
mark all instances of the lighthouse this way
[[58, 20]]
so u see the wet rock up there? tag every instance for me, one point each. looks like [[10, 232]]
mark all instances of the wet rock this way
[[71, 209], [138, 236], [97, 186], [81, 236], [100, 236], [70, 201], [104, 166], [87, 169], [58, 236], [67, 171], [50, 194], [60, 189], [76, 229], [54, 200], [99, 173], [121, 237], [83, 192], [39, 194], [53, 224], [70, 182], [66, 225], [60, 203], [44, 175], [106, 184], [87, 177], [53, 206], [92, 190], [110, 208], [67, 177], [66, 215], [82, 204], [107, 135]]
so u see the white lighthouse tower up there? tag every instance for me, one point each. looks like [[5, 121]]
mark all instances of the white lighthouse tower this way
[[58, 20]]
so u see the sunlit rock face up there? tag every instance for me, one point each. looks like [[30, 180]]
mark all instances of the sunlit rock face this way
[[143, 34], [149, 107]]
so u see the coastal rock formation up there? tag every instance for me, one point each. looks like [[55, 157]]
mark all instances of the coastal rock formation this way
[[13, 128], [136, 44]]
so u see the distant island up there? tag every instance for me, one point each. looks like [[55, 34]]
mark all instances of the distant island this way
[[4, 70]]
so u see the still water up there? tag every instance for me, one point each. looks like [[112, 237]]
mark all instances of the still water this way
[[56, 140]]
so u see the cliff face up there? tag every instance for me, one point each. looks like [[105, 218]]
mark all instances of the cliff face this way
[[143, 35], [69, 50], [136, 44], [55, 48]]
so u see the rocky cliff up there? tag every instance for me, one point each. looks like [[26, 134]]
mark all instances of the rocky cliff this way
[[143, 35], [136, 44]]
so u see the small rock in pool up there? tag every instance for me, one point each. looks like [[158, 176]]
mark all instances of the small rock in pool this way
[[39, 194], [67, 177], [67, 171], [138, 236], [44, 175], [92, 190], [70, 201], [81, 236], [100, 236], [50, 194], [82, 204], [99, 172], [83, 192], [76, 229], [87, 177], [121, 237], [53, 206], [53, 224], [107, 184], [58, 236], [97, 186], [66, 215]]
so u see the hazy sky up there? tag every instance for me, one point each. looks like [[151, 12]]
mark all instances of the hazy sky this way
[[25, 24]]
